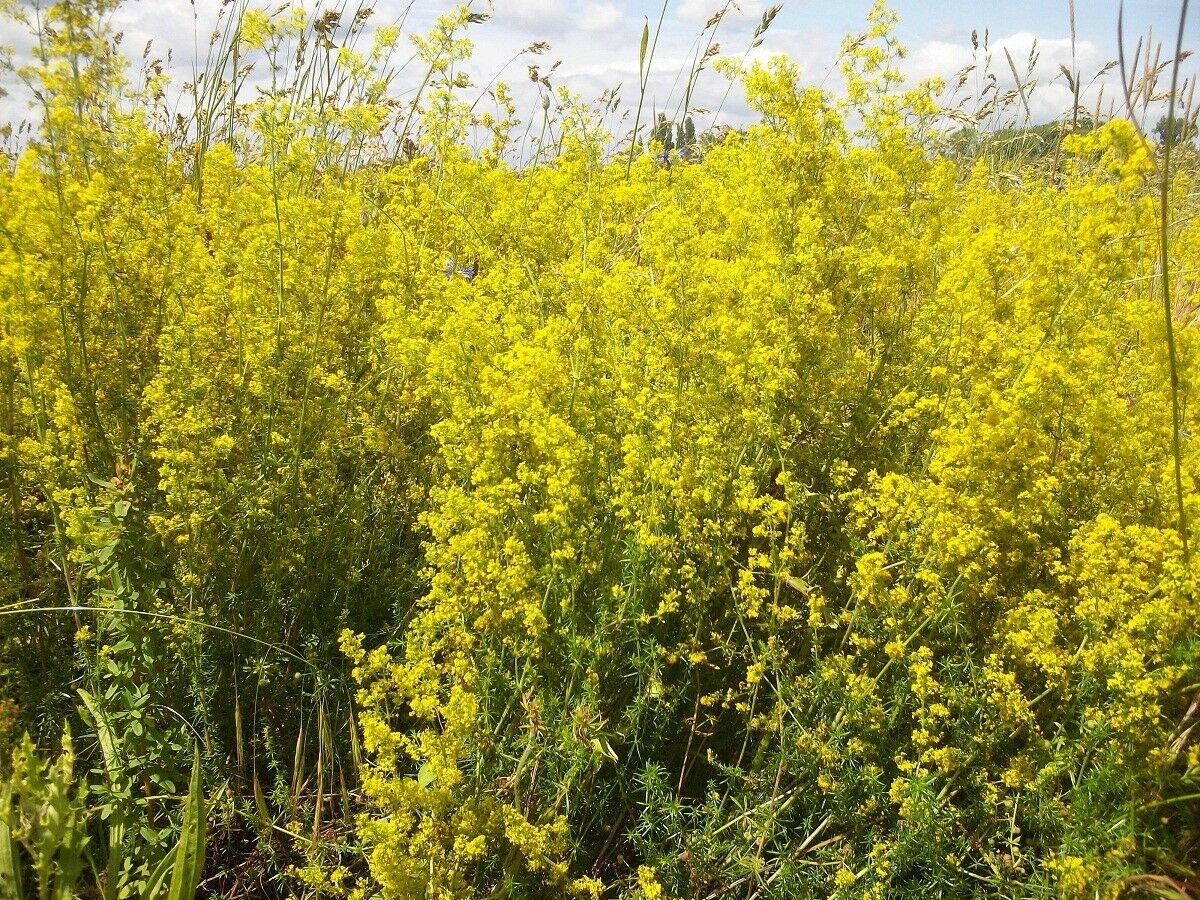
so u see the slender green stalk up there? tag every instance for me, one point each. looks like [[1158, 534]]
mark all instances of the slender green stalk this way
[[1168, 309], [644, 64]]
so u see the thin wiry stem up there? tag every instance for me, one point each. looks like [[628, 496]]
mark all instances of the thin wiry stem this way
[[1168, 309], [644, 65], [1127, 72]]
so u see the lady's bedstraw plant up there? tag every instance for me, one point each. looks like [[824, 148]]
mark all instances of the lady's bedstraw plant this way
[[914, 628], [794, 519]]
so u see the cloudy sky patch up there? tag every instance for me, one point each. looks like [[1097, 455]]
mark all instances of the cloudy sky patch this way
[[596, 42]]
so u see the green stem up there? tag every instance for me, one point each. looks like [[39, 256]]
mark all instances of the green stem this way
[[1168, 309]]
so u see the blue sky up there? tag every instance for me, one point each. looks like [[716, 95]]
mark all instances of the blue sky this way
[[1096, 20], [597, 40]]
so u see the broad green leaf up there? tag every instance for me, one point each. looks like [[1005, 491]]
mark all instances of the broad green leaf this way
[[189, 852]]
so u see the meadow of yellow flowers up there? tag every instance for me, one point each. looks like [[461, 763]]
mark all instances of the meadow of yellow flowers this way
[[791, 517]]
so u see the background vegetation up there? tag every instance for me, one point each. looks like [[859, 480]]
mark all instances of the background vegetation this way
[[799, 511]]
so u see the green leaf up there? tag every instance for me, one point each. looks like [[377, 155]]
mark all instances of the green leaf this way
[[260, 803], [642, 51], [104, 734], [110, 752], [604, 748], [10, 866], [189, 852], [158, 877]]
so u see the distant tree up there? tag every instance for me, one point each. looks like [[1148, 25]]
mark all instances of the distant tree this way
[[663, 132], [1179, 131], [1027, 142], [672, 136], [685, 134]]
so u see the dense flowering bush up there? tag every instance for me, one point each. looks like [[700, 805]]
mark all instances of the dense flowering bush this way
[[794, 519]]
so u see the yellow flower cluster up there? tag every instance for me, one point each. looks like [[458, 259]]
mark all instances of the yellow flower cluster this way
[[794, 519]]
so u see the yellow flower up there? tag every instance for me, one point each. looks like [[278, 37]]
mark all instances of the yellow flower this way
[[256, 28]]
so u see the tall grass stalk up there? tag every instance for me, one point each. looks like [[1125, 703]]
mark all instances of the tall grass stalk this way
[[644, 66], [1164, 251]]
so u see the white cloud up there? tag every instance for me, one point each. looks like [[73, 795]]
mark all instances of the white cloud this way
[[597, 42], [938, 58], [697, 12], [601, 17], [531, 13], [1038, 59]]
